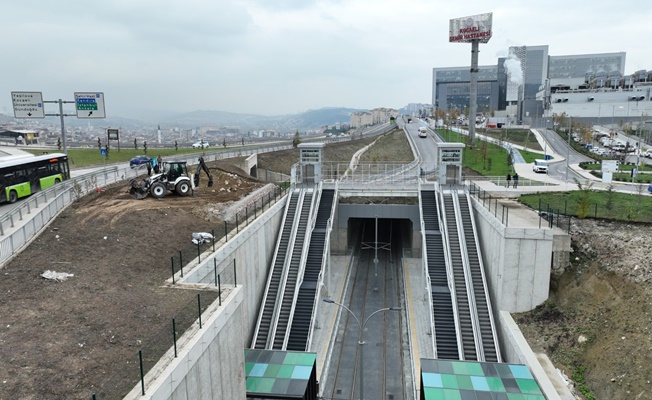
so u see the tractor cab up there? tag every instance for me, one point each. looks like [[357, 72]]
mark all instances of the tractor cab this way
[[174, 169]]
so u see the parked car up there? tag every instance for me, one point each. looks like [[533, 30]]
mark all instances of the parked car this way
[[540, 166], [138, 160], [200, 145]]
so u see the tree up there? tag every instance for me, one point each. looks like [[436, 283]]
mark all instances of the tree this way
[[224, 142], [145, 146], [585, 198], [135, 144], [297, 139]]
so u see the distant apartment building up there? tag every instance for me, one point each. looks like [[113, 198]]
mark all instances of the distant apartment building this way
[[373, 117]]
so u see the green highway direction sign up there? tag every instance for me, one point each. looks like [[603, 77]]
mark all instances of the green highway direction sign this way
[[89, 104]]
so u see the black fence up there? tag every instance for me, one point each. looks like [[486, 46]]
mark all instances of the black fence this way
[[131, 371], [226, 230], [548, 217]]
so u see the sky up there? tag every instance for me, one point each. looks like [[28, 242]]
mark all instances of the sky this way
[[275, 57]]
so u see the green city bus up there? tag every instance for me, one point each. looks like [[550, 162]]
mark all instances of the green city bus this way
[[22, 176]]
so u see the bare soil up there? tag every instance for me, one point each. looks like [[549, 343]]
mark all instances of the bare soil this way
[[597, 325], [66, 340]]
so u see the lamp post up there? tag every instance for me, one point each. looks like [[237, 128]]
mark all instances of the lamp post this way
[[570, 129], [360, 331]]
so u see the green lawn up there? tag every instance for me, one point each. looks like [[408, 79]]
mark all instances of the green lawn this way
[[485, 158], [596, 204], [82, 158], [521, 137]]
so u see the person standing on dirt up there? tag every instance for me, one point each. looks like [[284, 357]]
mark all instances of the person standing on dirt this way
[[159, 162], [515, 180], [509, 178], [149, 168], [154, 165]]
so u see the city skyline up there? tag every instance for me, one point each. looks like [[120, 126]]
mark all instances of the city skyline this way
[[249, 56]]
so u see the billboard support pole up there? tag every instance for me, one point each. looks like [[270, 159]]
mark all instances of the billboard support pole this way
[[473, 94]]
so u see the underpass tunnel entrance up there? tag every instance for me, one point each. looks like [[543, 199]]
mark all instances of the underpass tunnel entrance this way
[[390, 232]]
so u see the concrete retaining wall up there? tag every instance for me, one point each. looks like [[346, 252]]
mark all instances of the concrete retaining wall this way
[[209, 362], [516, 350], [252, 249], [517, 262]]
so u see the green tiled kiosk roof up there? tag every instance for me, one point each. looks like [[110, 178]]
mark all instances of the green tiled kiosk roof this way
[[278, 374], [471, 380]]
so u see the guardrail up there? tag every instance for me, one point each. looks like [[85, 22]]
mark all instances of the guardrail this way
[[20, 225]]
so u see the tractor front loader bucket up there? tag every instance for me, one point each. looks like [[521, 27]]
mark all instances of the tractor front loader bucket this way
[[138, 190]]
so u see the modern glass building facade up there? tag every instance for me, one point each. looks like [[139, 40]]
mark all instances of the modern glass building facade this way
[[452, 87], [497, 88]]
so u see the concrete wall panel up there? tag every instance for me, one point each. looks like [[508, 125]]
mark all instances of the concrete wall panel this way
[[517, 262]]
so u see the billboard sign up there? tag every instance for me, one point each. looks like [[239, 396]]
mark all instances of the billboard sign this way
[[467, 29], [112, 134]]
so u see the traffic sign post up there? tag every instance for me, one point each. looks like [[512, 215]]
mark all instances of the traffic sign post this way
[[90, 105], [28, 104], [31, 105], [113, 134]]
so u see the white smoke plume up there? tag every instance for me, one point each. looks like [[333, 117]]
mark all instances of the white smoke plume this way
[[513, 67]]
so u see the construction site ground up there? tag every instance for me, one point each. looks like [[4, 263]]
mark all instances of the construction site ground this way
[[69, 339], [66, 340]]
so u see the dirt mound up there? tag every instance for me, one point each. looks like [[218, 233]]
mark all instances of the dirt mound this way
[[596, 326]]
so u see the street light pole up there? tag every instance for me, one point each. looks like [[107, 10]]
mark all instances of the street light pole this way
[[360, 331], [570, 128]]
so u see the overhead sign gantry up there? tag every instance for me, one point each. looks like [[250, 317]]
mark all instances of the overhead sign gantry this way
[[31, 105]]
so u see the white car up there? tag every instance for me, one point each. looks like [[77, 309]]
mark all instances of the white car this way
[[200, 145]]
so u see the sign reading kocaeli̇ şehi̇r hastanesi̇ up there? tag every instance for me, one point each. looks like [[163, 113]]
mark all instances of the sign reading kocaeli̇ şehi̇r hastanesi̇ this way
[[467, 29]]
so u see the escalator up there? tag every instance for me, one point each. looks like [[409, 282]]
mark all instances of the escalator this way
[[290, 284], [276, 273], [301, 321], [482, 302], [464, 315], [444, 318]]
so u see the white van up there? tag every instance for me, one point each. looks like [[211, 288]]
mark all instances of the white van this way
[[423, 132], [540, 166]]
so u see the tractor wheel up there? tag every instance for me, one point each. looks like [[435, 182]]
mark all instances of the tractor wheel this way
[[158, 190], [183, 188], [13, 196]]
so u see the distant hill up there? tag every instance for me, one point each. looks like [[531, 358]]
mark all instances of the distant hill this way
[[311, 119]]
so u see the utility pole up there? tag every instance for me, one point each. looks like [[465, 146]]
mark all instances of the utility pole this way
[[61, 115], [570, 128]]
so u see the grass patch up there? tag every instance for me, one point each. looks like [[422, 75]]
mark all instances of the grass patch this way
[[392, 147], [485, 158], [595, 204], [82, 158], [282, 161], [520, 137]]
